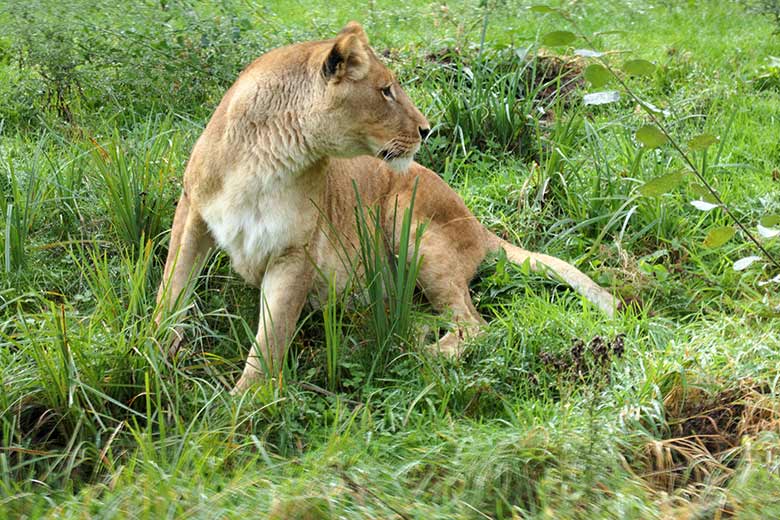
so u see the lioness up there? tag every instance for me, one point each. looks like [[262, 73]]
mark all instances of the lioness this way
[[270, 181]]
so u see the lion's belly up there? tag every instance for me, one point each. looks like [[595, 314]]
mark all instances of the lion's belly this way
[[253, 221], [339, 267]]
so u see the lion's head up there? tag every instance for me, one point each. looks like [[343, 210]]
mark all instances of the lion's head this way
[[365, 103]]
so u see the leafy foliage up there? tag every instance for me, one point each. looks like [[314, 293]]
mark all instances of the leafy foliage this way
[[391, 267], [101, 56]]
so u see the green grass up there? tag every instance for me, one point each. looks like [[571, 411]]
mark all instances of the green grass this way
[[669, 410]]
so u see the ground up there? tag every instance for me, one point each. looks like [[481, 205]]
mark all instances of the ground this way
[[670, 410]]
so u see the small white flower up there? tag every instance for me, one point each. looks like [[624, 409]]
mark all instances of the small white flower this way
[[703, 205], [768, 232], [744, 263]]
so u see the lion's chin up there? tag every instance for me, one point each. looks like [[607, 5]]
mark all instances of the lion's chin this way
[[400, 164]]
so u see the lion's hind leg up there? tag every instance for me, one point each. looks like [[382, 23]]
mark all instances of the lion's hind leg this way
[[444, 278], [467, 323]]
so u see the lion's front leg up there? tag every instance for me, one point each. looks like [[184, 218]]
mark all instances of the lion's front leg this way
[[286, 283], [188, 250]]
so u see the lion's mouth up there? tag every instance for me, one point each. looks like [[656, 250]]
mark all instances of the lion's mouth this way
[[389, 155], [397, 156], [397, 160]]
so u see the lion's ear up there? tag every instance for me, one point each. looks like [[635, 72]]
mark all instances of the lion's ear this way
[[355, 28], [348, 58]]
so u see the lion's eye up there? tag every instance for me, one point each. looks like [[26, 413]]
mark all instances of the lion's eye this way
[[388, 92]]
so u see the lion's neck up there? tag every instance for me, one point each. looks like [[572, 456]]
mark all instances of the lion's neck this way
[[277, 132], [283, 145]]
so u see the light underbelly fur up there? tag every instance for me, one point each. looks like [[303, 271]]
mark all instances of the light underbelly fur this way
[[254, 220]]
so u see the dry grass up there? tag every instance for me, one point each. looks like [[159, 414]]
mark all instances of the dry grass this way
[[706, 438]]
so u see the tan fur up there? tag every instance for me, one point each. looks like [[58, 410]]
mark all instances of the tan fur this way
[[270, 181]]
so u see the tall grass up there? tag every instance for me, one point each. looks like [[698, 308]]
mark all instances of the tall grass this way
[[494, 101], [333, 323], [391, 268], [27, 187], [134, 182]]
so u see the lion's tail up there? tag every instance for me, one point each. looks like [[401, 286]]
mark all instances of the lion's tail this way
[[578, 280]]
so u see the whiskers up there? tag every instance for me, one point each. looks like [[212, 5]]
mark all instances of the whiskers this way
[[395, 148]]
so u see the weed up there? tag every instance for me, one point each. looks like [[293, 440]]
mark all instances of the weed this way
[[28, 188], [134, 182], [391, 267]]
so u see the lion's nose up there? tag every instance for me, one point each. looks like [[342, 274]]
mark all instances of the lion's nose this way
[[424, 131]]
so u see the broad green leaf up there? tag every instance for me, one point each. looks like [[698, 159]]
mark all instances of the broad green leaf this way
[[702, 142], [601, 98], [650, 136], [542, 9], [558, 38], [597, 75], [662, 184], [770, 220], [719, 236], [638, 67], [744, 263], [703, 193]]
